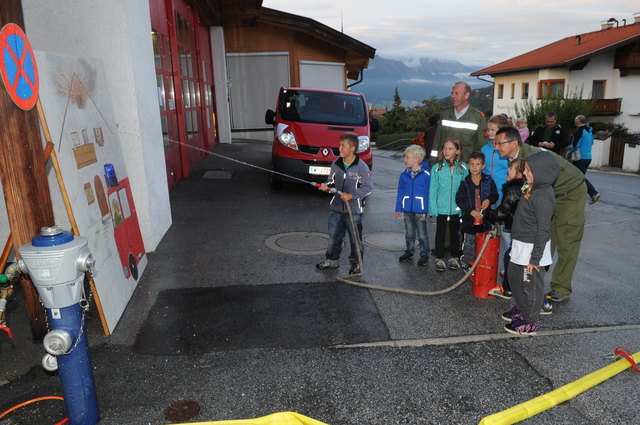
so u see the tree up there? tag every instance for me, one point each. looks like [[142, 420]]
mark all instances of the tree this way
[[394, 120]]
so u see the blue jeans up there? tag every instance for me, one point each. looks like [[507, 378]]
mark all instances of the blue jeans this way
[[416, 225], [339, 224], [469, 247]]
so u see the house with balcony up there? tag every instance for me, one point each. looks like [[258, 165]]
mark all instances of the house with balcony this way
[[603, 65]]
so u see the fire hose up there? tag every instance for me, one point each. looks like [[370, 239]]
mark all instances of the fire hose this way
[[348, 279]]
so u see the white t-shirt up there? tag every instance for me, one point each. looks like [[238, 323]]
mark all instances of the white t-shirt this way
[[521, 253]]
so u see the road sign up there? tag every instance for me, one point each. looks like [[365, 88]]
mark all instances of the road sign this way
[[18, 67]]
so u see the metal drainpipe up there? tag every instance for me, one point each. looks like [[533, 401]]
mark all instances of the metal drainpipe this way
[[359, 79]]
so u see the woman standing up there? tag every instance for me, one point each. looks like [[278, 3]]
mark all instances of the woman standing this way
[[582, 141]]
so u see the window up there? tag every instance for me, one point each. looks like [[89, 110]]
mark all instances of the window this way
[[525, 90], [500, 91], [550, 88], [597, 91], [513, 90]]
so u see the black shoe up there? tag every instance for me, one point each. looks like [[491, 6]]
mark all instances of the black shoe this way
[[547, 308], [406, 257], [424, 260], [355, 269], [323, 265]]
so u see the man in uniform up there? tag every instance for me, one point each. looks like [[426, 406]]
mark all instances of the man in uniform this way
[[462, 122], [567, 225], [550, 135]]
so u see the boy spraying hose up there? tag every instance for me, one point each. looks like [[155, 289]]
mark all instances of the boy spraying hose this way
[[352, 178]]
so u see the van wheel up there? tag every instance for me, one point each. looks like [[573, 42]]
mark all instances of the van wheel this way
[[276, 183], [133, 267]]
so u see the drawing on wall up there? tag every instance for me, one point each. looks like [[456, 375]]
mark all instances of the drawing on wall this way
[[97, 133], [75, 98], [89, 193]]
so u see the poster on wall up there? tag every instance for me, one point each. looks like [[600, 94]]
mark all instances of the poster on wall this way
[[77, 106]]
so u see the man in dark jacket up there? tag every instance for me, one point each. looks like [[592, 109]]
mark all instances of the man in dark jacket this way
[[550, 135], [567, 226]]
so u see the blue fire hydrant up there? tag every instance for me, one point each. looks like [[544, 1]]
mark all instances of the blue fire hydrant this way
[[56, 261]]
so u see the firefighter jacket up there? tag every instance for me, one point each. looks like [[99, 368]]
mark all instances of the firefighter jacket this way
[[468, 129]]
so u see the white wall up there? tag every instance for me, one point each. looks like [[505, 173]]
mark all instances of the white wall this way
[[598, 68], [119, 33], [506, 105]]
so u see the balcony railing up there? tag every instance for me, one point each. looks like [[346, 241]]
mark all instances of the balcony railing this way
[[606, 106]]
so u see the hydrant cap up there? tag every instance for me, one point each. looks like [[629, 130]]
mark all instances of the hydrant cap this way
[[44, 239]]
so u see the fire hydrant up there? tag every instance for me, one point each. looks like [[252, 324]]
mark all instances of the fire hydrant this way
[[56, 261]]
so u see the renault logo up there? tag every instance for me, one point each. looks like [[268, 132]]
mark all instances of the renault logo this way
[[325, 151]]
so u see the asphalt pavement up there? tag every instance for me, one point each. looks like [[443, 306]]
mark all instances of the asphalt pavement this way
[[428, 360]]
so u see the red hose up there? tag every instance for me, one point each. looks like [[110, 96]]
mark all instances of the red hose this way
[[25, 403]]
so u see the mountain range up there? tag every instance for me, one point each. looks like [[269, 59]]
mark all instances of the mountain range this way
[[416, 80]]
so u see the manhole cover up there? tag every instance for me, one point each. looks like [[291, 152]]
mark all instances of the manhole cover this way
[[217, 175], [182, 411], [299, 243], [389, 241]]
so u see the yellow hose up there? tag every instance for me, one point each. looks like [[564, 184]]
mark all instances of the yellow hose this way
[[282, 418], [534, 406]]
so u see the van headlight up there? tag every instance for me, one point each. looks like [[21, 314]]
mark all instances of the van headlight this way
[[289, 140], [363, 143]]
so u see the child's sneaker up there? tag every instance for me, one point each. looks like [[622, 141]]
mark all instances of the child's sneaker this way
[[454, 263], [522, 328], [440, 265], [323, 265], [509, 316], [406, 257], [355, 269], [499, 292], [424, 260], [546, 309]]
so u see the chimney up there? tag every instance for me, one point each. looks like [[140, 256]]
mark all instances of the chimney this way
[[636, 18], [579, 38], [606, 25]]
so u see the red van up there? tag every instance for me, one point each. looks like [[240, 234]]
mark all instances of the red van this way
[[307, 125]]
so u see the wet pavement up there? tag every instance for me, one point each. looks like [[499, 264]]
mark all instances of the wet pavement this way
[[232, 314]]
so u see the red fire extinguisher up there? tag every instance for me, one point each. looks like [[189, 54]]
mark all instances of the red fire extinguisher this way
[[485, 275]]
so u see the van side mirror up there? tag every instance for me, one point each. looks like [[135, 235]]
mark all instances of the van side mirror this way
[[374, 124], [270, 117]]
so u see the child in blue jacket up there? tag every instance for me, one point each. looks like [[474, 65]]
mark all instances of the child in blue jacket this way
[[413, 202]]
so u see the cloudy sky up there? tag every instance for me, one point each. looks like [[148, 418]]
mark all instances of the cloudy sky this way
[[473, 32]]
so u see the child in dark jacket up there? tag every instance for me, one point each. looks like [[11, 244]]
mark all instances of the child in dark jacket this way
[[531, 243], [511, 192], [413, 202], [477, 192]]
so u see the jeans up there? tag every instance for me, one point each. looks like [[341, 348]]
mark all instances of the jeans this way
[[583, 165], [339, 224], [416, 225], [505, 244], [469, 247]]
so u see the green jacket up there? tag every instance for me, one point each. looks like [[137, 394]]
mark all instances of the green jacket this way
[[468, 129], [569, 176]]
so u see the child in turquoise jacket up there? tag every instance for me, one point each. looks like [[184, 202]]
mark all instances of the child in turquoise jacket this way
[[446, 176]]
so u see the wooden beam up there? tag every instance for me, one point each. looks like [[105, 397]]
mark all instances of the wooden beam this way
[[23, 176]]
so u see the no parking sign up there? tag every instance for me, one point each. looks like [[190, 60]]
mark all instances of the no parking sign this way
[[18, 67]]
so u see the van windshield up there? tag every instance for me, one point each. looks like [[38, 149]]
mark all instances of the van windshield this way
[[323, 108]]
